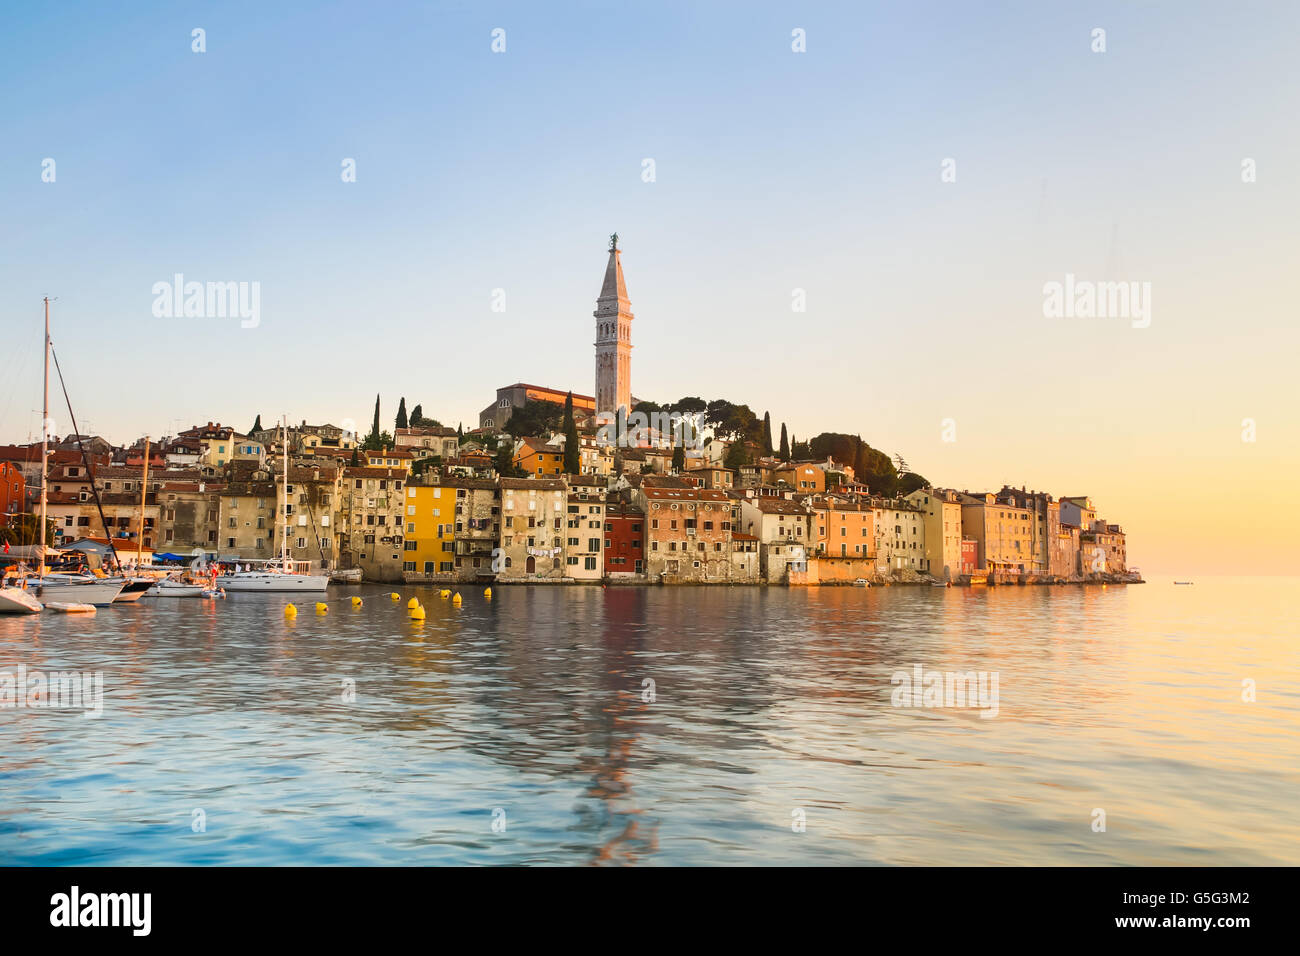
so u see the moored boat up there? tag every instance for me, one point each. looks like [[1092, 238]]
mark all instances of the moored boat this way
[[70, 607], [77, 589], [281, 575], [175, 589], [18, 601], [135, 589]]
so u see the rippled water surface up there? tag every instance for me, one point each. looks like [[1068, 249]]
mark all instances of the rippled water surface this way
[[767, 704]]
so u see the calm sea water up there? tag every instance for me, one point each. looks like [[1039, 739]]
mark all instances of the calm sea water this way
[[769, 706]]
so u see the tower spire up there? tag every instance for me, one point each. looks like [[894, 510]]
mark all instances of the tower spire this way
[[613, 337]]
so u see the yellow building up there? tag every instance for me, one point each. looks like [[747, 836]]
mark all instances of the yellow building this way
[[430, 545]]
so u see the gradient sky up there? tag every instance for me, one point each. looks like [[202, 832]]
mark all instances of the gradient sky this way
[[775, 171]]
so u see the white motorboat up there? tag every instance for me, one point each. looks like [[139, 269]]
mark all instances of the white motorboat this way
[[289, 576], [76, 589], [175, 589], [18, 601]]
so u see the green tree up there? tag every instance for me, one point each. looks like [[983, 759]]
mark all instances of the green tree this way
[[375, 442], [785, 444], [22, 530], [257, 425], [535, 418], [737, 456], [505, 465], [618, 461], [356, 459], [417, 416], [374, 427], [767, 434], [679, 457], [572, 461], [401, 414]]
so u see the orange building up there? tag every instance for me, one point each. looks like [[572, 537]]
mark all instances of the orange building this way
[[537, 458], [806, 477], [12, 489], [843, 529]]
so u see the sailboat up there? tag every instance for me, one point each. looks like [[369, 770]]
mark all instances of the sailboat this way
[[56, 587], [284, 575]]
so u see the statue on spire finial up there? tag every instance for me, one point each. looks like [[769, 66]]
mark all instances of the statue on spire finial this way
[[613, 242]]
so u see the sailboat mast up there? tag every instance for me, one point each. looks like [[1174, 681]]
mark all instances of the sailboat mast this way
[[144, 484], [284, 506], [45, 435]]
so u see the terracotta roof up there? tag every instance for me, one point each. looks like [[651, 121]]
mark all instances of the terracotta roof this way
[[534, 484], [684, 494]]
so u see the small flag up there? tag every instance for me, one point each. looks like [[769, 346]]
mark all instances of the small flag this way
[[6, 547]]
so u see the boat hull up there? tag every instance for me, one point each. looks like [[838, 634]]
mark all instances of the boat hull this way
[[269, 581], [168, 589], [134, 590], [18, 601], [100, 593]]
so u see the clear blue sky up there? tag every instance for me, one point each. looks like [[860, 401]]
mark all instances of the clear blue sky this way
[[775, 171]]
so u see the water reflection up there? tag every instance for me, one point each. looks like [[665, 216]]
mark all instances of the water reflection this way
[[766, 703]]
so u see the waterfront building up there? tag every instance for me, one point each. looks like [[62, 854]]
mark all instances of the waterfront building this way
[[625, 539], [533, 512], [842, 527], [314, 496], [478, 525], [429, 549], [782, 526], [584, 525], [1004, 533], [1102, 550], [372, 518], [248, 499], [900, 535], [688, 533], [941, 516]]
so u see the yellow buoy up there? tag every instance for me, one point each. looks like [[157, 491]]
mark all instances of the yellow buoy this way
[[290, 611], [395, 596], [444, 594], [417, 613], [356, 602], [487, 593], [322, 608], [414, 602], [455, 599]]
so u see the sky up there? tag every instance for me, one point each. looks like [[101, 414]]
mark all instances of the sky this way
[[919, 173]]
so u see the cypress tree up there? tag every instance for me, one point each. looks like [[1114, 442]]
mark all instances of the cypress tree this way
[[374, 428], [401, 413], [767, 434], [785, 444], [257, 425], [679, 458], [572, 460], [417, 416]]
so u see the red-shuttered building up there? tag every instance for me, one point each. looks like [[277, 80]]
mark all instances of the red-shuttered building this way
[[624, 539]]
